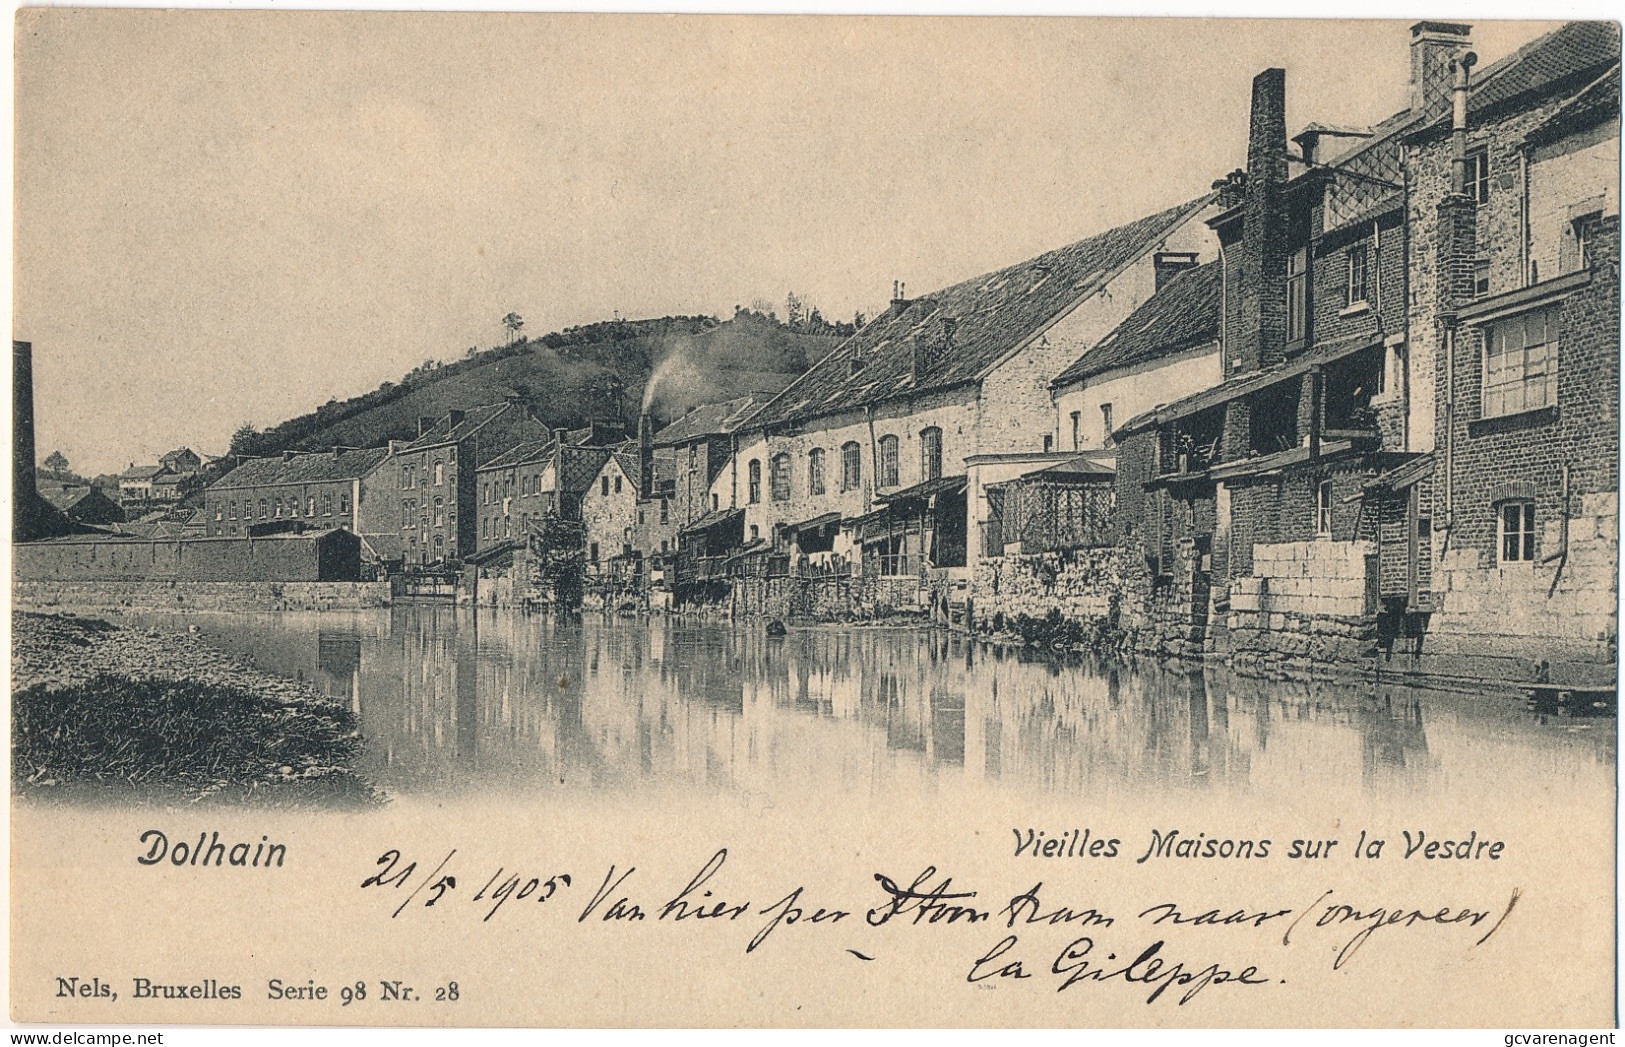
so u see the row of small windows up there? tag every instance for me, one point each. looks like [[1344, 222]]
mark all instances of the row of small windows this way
[[779, 467], [409, 512], [410, 475], [278, 508]]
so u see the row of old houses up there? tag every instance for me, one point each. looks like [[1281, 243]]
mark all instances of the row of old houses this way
[[1356, 403]]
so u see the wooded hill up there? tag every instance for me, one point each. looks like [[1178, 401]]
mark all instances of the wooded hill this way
[[601, 371]]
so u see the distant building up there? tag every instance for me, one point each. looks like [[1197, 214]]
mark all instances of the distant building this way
[[83, 504], [293, 492], [517, 490], [182, 461], [137, 484]]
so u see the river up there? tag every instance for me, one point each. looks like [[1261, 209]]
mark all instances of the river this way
[[458, 702]]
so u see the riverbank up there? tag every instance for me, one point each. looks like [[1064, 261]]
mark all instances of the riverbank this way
[[108, 712]]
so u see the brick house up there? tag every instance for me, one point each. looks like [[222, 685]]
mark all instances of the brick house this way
[[1518, 296], [1295, 502], [865, 454], [341, 488], [436, 498]]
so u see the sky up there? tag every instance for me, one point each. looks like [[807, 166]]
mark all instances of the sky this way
[[230, 217]]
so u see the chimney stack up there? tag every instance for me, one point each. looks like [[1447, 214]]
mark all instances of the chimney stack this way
[[646, 459], [560, 436], [425, 423], [455, 418], [1170, 264], [1260, 335], [1433, 46]]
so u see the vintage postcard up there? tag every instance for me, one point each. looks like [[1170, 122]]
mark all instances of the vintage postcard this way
[[599, 520]]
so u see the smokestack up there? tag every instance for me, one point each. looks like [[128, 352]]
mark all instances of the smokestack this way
[[1434, 46], [646, 456], [24, 473], [1261, 276], [1461, 74]]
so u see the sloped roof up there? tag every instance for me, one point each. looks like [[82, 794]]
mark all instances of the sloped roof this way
[[319, 467], [991, 315], [1181, 316], [718, 419], [632, 467], [1596, 101], [142, 472], [65, 498], [1576, 48], [446, 431], [528, 453]]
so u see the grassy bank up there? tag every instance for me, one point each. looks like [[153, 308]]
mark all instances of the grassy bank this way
[[106, 712]]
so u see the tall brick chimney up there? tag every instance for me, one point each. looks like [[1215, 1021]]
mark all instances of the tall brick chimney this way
[[1433, 45], [1260, 336], [24, 474], [646, 456]]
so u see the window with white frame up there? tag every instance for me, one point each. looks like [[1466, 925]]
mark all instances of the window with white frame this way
[[1359, 284], [888, 461], [1477, 180], [1297, 295], [1520, 364], [851, 466], [1515, 526]]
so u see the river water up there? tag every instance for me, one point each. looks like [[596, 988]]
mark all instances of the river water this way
[[458, 702]]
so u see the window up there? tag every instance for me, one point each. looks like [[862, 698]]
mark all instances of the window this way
[[276, 508], [1481, 278], [715, 503], [1359, 290], [1520, 364], [1106, 425], [1297, 295], [1323, 509], [665, 511], [1516, 523], [888, 461], [755, 474], [617, 485], [344, 504], [1049, 443], [439, 474], [851, 466], [217, 512], [310, 506], [439, 512], [1477, 181], [1585, 238], [815, 471], [930, 453], [779, 477], [263, 512], [1076, 442], [603, 485], [327, 503]]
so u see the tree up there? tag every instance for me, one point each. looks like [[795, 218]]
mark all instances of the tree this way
[[793, 310], [246, 440], [514, 323], [57, 462]]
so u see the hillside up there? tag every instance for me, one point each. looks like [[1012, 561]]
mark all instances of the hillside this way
[[602, 371]]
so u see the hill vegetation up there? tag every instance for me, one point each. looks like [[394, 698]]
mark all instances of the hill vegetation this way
[[610, 370]]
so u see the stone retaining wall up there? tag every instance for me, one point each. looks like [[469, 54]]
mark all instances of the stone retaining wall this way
[[203, 596]]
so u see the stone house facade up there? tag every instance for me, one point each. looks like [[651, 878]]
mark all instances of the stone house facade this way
[[1520, 296], [519, 488]]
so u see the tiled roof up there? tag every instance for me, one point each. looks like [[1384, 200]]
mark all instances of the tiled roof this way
[[718, 419], [142, 472], [446, 431], [1597, 100], [1574, 49], [632, 467], [990, 316], [530, 452], [1181, 316], [303, 468], [65, 498]]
